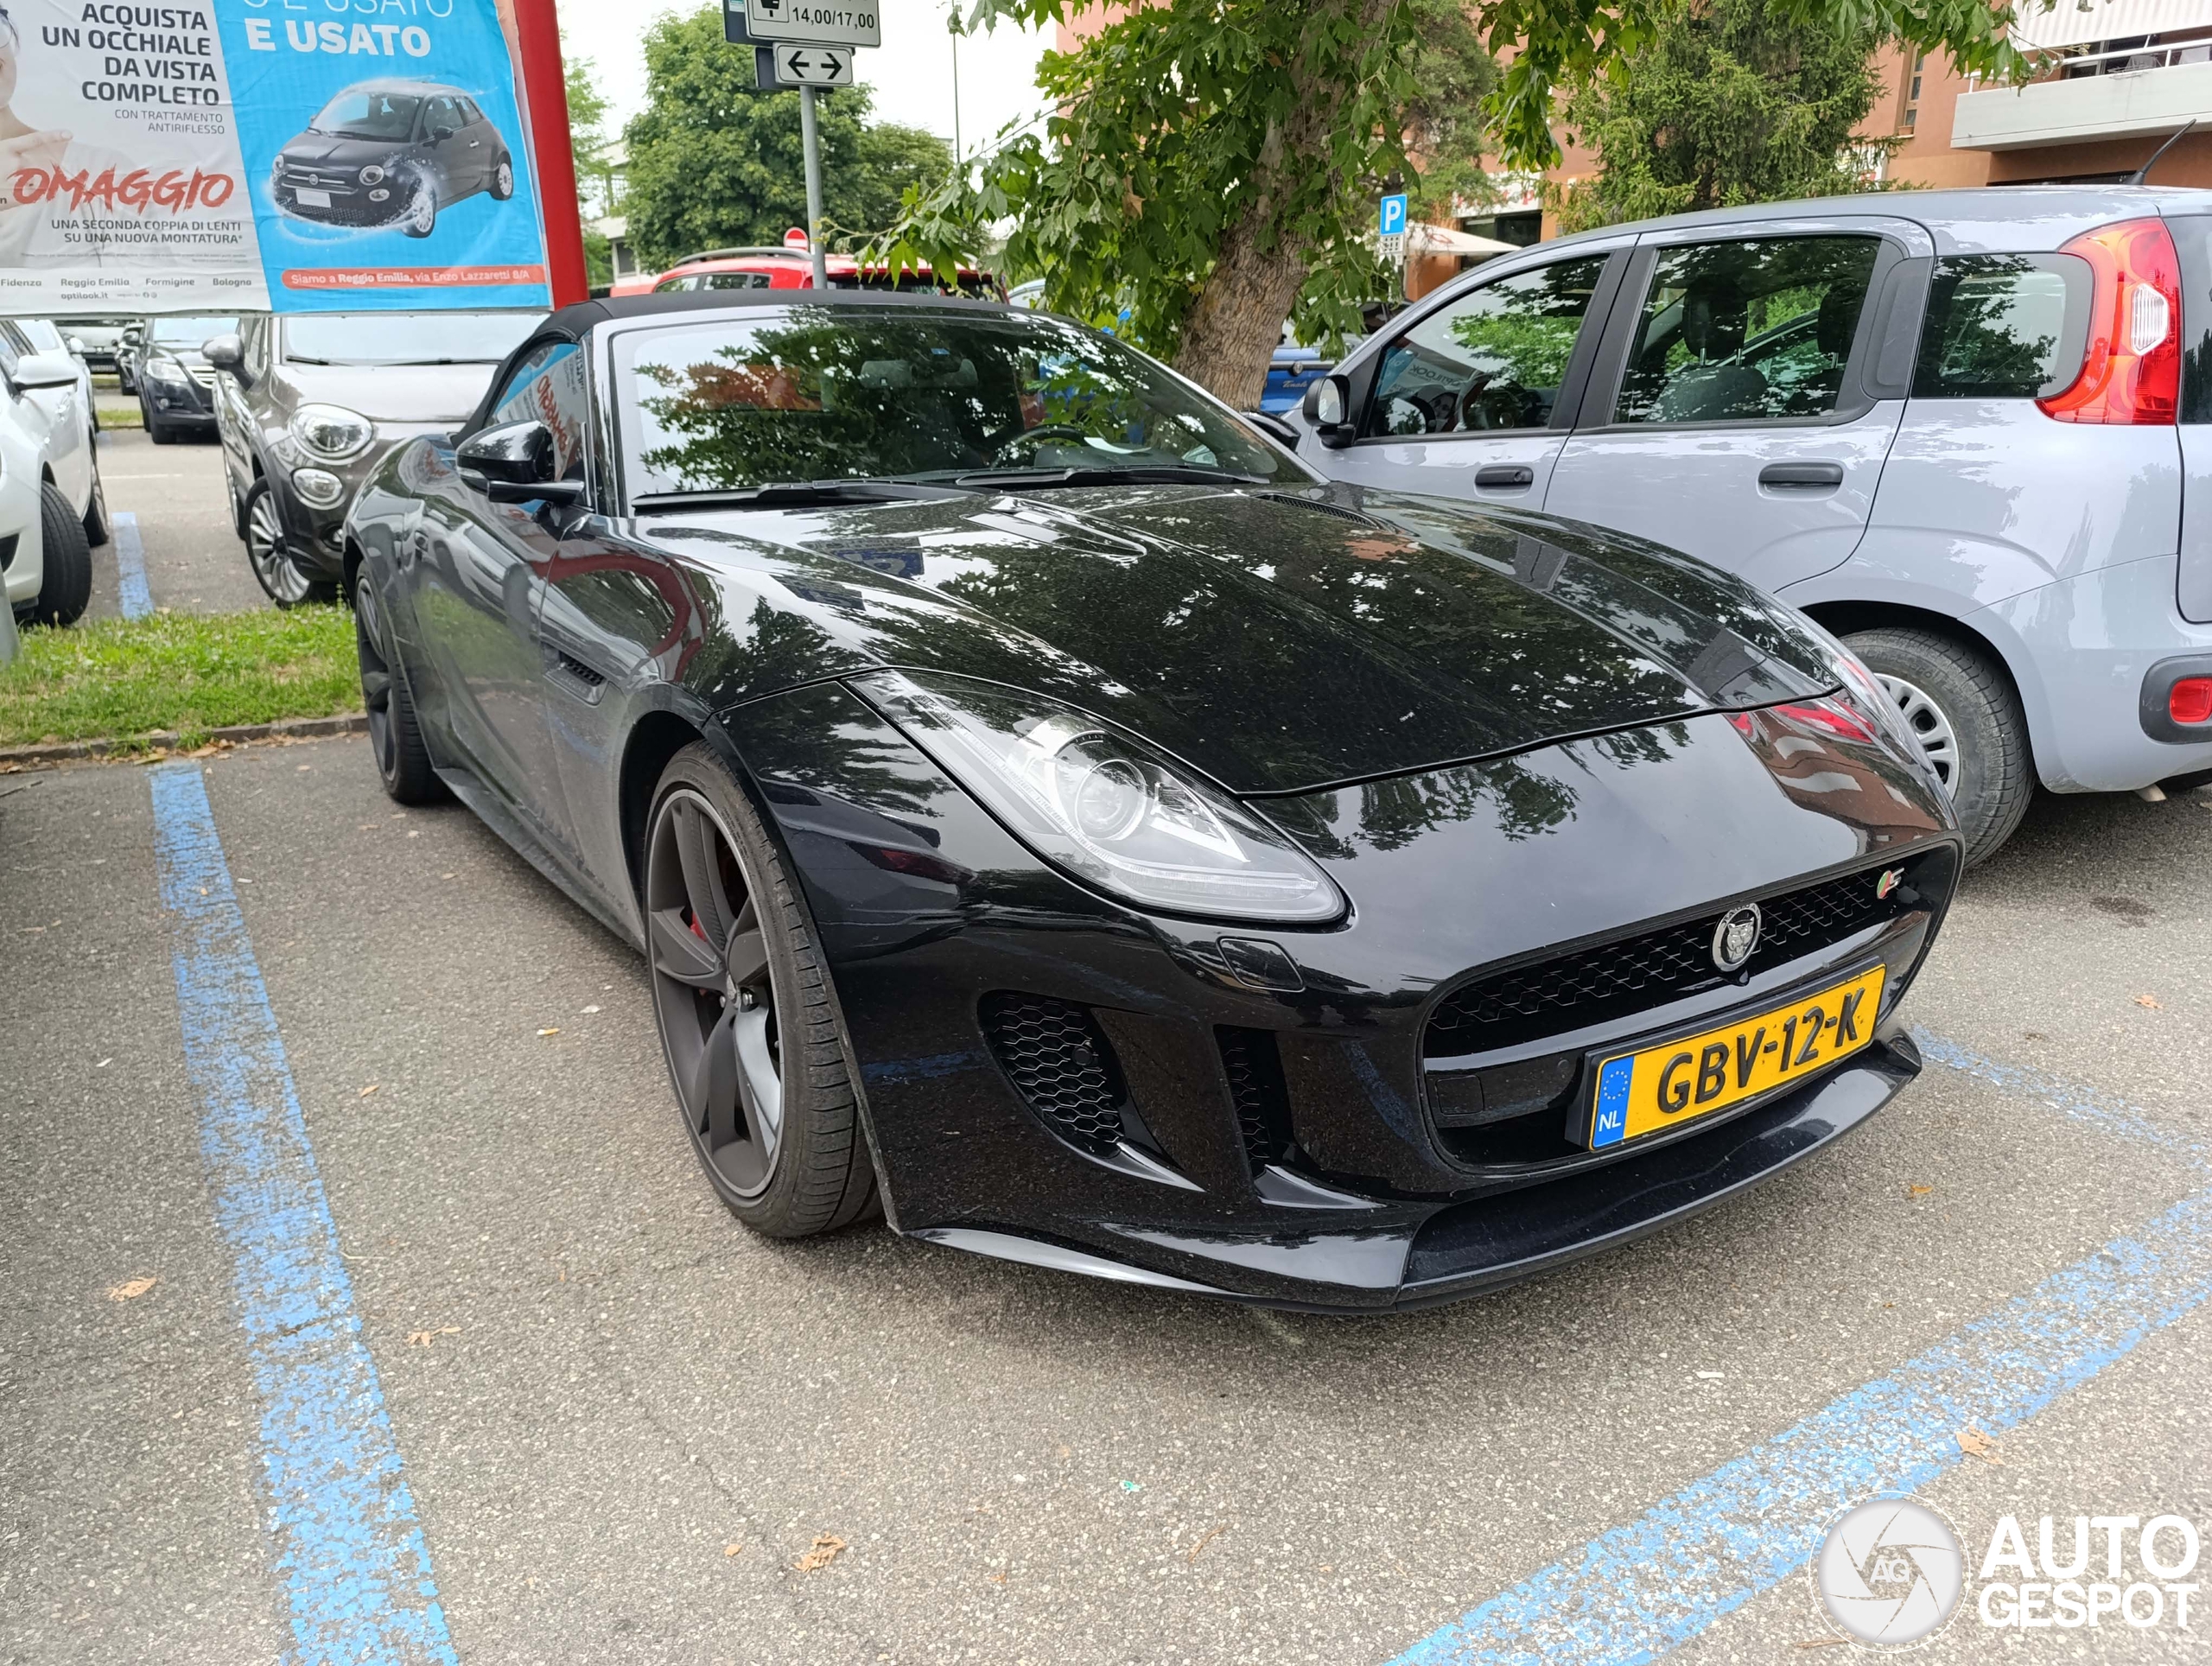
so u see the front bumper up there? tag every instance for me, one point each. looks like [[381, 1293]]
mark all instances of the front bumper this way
[[349, 206], [190, 405], [316, 535], [1335, 1187]]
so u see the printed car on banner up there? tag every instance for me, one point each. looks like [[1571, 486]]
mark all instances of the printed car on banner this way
[[229, 156]]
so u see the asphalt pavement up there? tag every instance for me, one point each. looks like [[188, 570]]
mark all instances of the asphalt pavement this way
[[193, 560], [632, 1431]]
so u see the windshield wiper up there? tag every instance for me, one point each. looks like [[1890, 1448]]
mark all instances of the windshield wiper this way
[[791, 494], [1121, 474]]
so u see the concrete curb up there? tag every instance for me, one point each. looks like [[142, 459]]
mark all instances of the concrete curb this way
[[142, 746]]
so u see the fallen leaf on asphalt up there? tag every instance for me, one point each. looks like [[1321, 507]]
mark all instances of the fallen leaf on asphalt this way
[[104, 1063], [1203, 1542], [1918, 1191], [2149, 1000], [732, 1549], [591, 1009], [371, 1088], [828, 1547], [425, 1339], [996, 1579], [1974, 1443], [131, 1290], [554, 1030], [1710, 1376], [448, 876]]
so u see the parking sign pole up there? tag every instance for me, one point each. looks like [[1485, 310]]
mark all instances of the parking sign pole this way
[[812, 143]]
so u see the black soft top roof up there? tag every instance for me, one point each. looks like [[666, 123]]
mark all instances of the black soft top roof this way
[[573, 323]]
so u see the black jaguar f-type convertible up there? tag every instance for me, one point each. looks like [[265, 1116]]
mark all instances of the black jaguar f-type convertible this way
[[1054, 818]]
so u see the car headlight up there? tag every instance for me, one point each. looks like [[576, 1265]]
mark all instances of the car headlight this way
[[372, 174], [1105, 807], [331, 432], [166, 370]]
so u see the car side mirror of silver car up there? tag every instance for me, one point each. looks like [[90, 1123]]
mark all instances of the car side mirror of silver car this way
[[43, 369], [515, 463], [1328, 408], [226, 353]]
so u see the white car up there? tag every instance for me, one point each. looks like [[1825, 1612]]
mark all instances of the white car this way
[[51, 503]]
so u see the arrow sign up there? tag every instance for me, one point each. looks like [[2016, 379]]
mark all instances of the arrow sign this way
[[810, 65]]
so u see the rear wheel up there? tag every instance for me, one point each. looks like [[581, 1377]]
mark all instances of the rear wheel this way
[[96, 529], [749, 1021], [66, 589], [402, 761], [1962, 708], [503, 179]]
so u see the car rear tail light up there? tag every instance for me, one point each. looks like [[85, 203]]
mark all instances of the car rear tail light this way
[[2131, 366], [2189, 700]]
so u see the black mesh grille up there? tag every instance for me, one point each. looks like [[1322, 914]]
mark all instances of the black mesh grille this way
[[1061, 1063], [1615, 979], [1255, 1086]]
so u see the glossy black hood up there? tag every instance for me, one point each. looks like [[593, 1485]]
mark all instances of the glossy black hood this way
[[1277, 641]]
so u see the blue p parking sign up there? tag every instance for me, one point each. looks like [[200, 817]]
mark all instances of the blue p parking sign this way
[[1393, 222]]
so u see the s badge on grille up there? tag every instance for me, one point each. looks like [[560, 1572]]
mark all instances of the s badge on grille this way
[[1736, 936], [1888, 882]]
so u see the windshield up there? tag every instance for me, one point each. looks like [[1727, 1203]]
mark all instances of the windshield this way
[[814, 393], [354, 114], [188, 332], [483, 338], [42, 335]]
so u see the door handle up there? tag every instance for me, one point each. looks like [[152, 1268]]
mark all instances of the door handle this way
[[1503, 476], [1802, 477]]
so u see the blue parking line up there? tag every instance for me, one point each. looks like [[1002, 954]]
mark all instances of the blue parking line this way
[[2070, 1099], [134, 599], [349, 1548], [1644, 1589]]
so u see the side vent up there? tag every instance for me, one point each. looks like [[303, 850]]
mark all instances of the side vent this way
[[1058, 1058], [1254, 1067]]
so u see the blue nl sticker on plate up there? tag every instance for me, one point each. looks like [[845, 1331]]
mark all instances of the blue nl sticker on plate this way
[[1612, 1121]]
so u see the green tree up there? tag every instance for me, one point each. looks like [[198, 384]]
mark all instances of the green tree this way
[[712, 162], [1733, 101], [1210, 165], [589, 143]]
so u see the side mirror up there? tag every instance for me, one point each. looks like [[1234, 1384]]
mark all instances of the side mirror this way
[[441, 133], [225, 353], [133, 334], [44, 370], [75, 344], [1328, 407], [515, 463]]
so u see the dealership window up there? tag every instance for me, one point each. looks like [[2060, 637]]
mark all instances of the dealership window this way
[[1749, 330], [2002, 327], [1493, 360]]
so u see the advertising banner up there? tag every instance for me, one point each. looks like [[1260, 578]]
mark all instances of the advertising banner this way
[[295, 155]]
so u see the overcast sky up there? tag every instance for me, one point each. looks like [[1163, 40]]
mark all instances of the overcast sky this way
[[912, 73]]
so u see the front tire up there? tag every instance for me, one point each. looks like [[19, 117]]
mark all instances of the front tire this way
[[157, 430], [66, 589], [764, 1075], [422, 216], [268, 553], [395, 738], [1962, 707]]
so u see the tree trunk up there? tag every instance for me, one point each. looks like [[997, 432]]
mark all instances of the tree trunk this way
[[1237, 322]]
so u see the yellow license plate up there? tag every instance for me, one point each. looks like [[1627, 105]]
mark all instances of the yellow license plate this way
[[1663, 1087]]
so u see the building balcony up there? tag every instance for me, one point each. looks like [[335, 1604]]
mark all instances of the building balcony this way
[[2125, 93]]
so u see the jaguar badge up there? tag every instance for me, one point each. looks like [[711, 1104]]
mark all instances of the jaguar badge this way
[[1736, 936]]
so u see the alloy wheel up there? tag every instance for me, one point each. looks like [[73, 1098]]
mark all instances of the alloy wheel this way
[[1938, 740], [266, 551], [714, 992], [503, 184]]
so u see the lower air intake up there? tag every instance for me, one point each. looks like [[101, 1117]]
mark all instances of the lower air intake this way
[[1255, 1086], [1056, 1057]]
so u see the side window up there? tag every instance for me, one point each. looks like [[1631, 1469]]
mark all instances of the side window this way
[[1492, 360], [671, 285], [438, 113], [469, 113], [12, 348], [735, 281], [2003, 327], [548, 386], [1749, 330]]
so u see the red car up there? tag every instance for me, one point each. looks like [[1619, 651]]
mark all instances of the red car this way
[[790, 268]]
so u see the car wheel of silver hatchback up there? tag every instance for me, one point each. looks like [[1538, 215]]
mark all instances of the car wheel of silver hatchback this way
[[1938, 740]]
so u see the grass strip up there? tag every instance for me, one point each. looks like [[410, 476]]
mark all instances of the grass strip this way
[[120, 678]]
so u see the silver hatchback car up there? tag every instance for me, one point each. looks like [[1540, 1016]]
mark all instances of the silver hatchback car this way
[[1970, 432]]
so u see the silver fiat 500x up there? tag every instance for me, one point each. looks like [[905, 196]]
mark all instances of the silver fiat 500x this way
[[1968, 431]]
